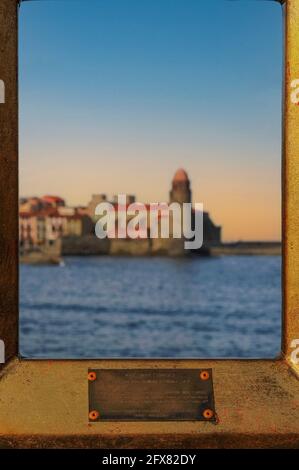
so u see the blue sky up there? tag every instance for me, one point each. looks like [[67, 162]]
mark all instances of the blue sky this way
[[116, 94]]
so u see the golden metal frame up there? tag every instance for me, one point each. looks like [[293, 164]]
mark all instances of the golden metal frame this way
[[45, 403]]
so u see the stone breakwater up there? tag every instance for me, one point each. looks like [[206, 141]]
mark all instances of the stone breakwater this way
[[90, 246]]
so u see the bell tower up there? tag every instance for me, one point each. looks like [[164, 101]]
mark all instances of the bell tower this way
[[180, 190]]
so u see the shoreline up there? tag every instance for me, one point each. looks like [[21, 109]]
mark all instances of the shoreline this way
[[248, 249]]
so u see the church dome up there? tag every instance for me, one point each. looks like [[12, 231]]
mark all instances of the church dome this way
[[180, 176]]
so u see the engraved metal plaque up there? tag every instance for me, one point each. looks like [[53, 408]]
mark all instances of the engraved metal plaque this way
[[151, 395]]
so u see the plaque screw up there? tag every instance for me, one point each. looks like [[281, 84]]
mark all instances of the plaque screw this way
[[204, 375], [93, 415], [208, 414], [92, 376]]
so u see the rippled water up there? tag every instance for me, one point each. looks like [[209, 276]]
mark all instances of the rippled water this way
[[152, 307]]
